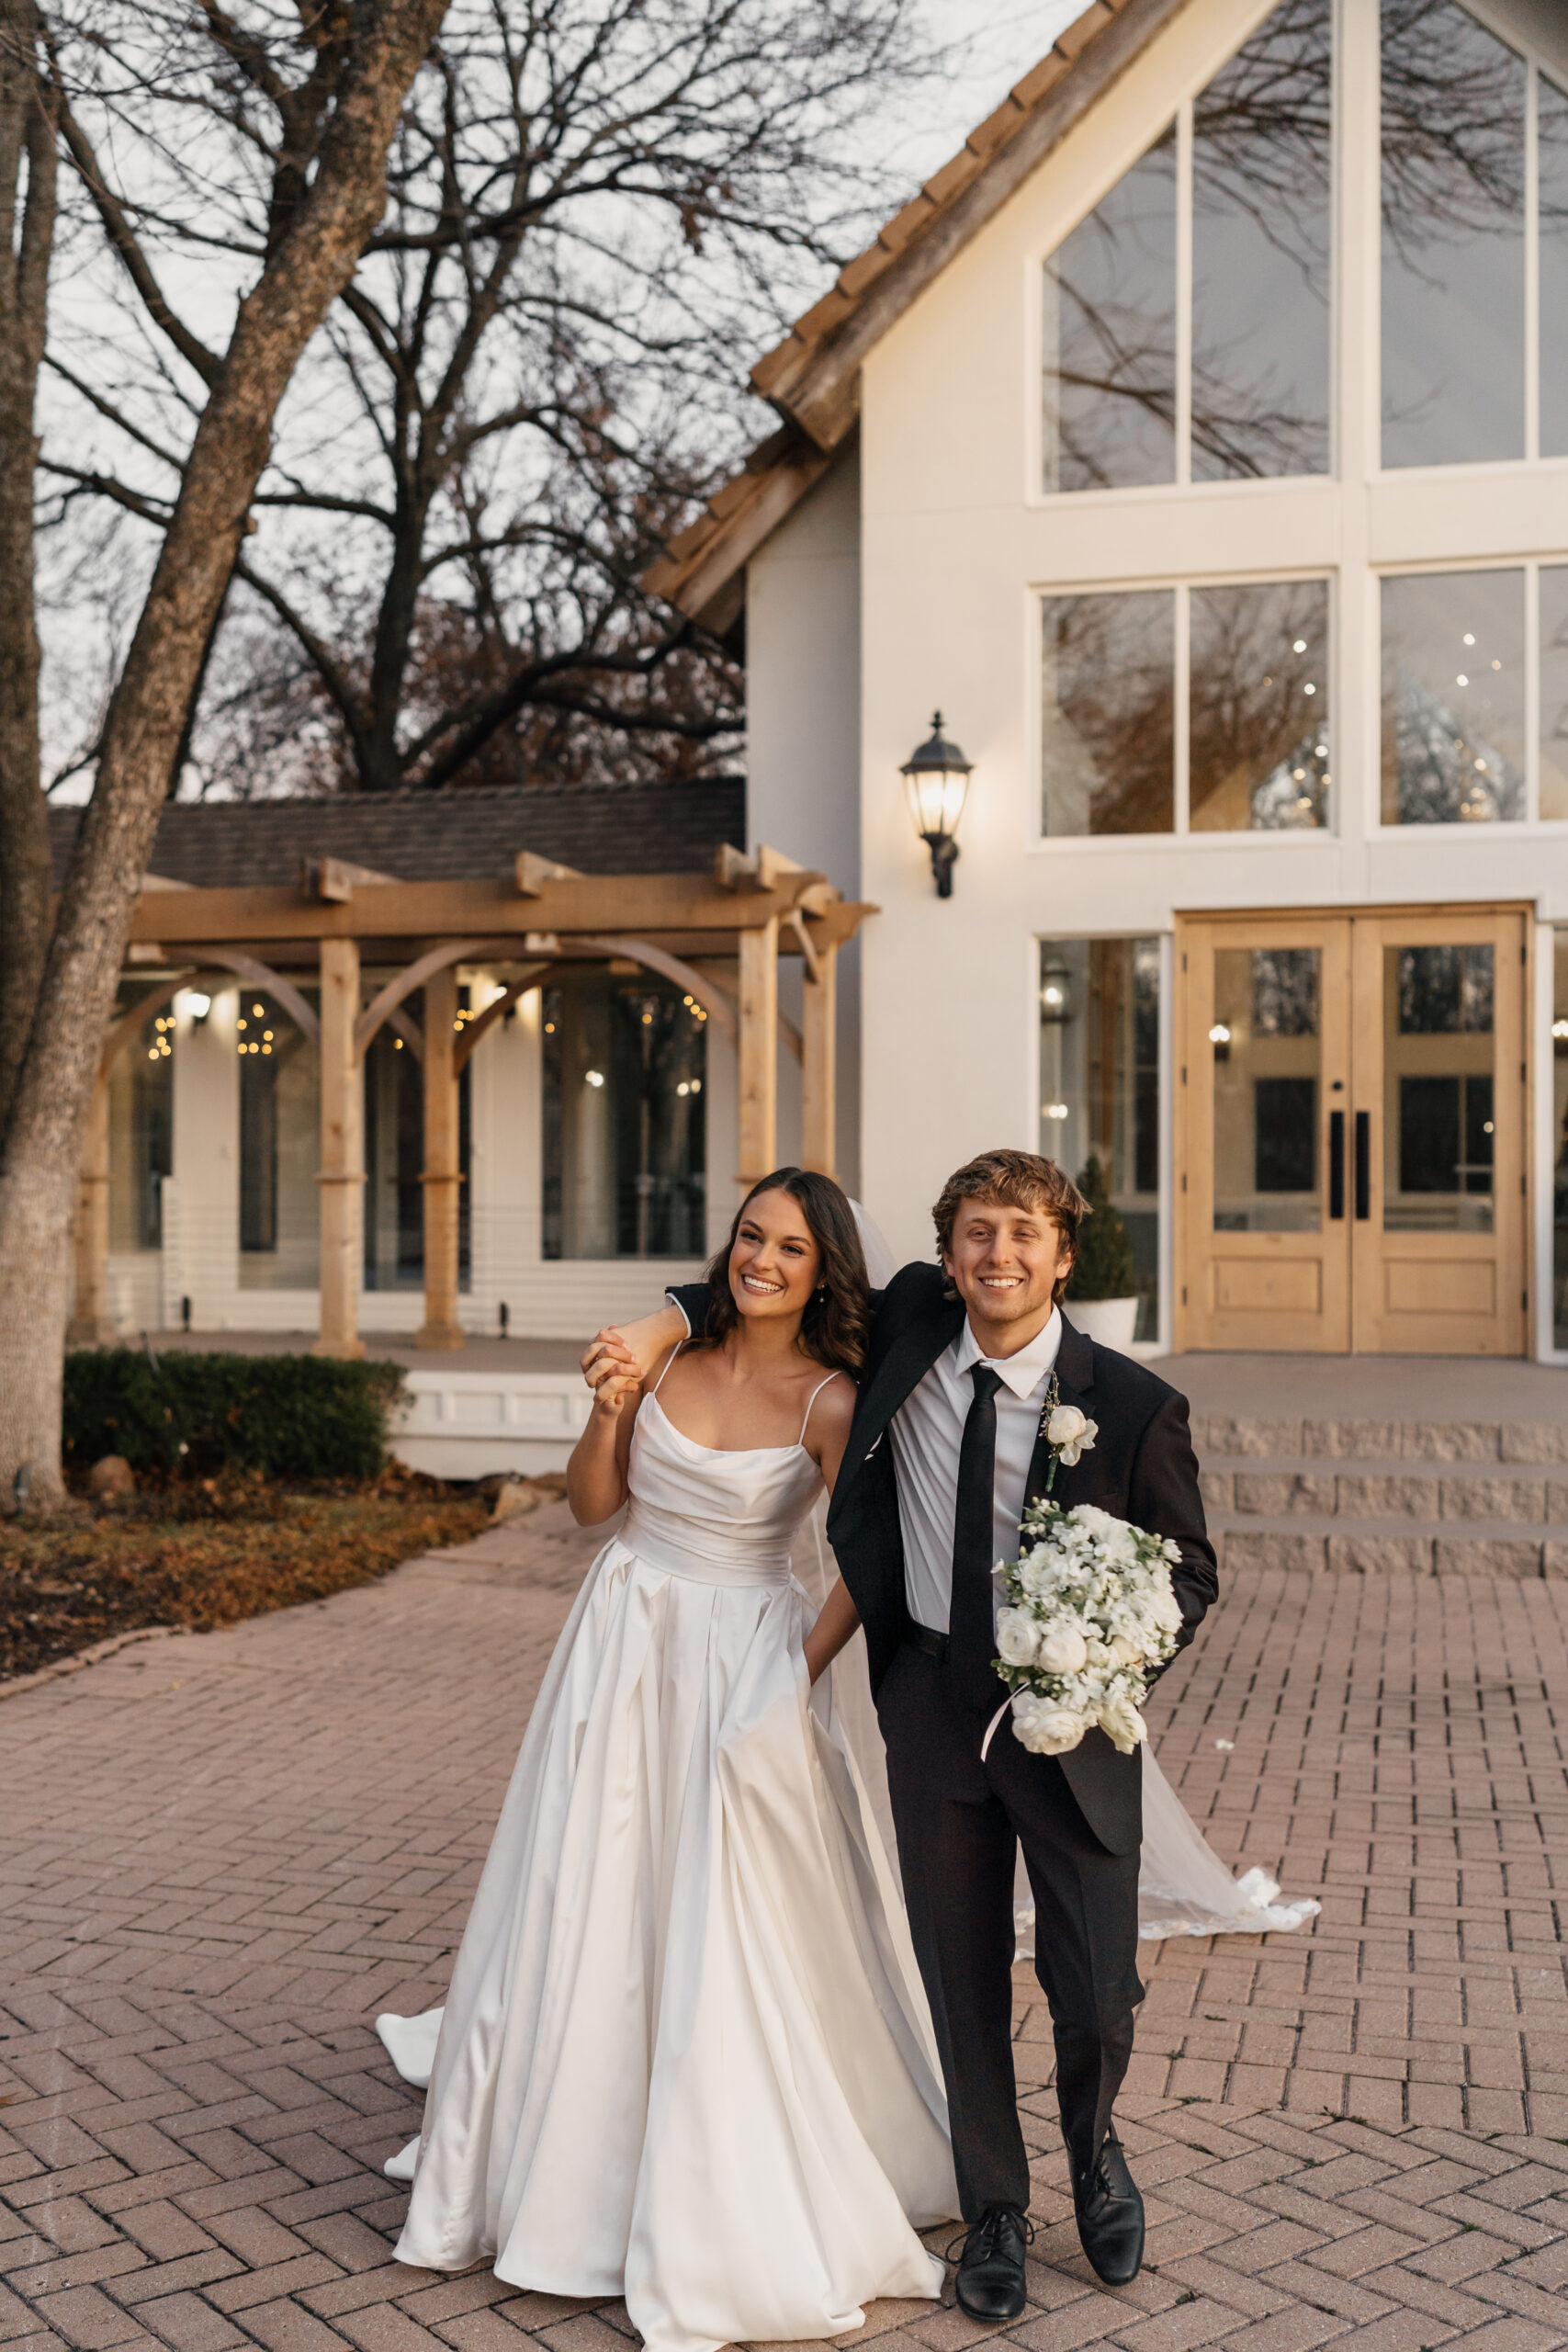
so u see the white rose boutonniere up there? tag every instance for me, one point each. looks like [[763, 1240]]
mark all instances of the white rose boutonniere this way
[[1069, 1433]]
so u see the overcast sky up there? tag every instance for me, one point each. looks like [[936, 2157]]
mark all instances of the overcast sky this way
[[997, 44]]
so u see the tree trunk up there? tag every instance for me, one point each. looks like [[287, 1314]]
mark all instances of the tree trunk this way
[[146, 721], [26, 137]]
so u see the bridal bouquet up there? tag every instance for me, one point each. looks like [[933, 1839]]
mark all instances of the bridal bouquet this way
[[1090, 1611]]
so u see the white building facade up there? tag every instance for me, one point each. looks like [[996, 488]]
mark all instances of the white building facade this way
[[1198, 444]]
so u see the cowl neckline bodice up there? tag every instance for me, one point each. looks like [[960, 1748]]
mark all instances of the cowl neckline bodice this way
[[698, 1508]]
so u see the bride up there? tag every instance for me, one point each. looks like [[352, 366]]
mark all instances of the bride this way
[[686, 2056]]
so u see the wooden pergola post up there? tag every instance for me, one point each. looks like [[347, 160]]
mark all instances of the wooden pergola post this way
[[342, 1176], [818, 1064], [91, 1325], [758, 949], [442, 1178]]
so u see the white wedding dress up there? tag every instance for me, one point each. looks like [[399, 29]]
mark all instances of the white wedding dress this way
[[686, 2056]]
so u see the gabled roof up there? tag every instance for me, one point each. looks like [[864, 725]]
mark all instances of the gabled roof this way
[[813, 376], [465, 836]]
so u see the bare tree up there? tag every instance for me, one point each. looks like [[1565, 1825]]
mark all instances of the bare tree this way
[[303, 110], [594, 210]]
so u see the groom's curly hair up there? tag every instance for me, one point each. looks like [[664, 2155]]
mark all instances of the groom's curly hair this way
[[1014, 1180]]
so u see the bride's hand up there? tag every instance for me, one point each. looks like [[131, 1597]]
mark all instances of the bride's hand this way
[[609, 1362], [612, 1389]]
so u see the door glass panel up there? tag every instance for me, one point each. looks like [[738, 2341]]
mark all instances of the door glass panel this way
[[1267, 1048], [1437, 1090]]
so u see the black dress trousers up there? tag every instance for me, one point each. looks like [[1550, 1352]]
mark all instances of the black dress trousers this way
[[959, 1825]]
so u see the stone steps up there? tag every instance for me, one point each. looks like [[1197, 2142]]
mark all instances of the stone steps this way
[[1371, 1497]]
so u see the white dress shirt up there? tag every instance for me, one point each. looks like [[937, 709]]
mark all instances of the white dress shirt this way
[[927, 1432]]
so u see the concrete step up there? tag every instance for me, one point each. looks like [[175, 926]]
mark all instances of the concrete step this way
[[1390, 1546], [1249, 1437], [1421, 1488]]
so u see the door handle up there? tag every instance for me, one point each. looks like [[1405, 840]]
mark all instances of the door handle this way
[[1336, 1163], [1363, 1164]]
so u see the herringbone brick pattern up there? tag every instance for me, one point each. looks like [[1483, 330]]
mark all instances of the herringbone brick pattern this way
[[221, 1855]]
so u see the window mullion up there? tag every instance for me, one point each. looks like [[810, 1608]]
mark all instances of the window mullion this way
[[1532, 692], [1181, 706], [1533, 261]]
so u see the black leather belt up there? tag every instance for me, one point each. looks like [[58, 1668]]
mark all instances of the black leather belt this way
[[921, 1636]]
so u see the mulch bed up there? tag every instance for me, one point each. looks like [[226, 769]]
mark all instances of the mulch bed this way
[[208, 1553]]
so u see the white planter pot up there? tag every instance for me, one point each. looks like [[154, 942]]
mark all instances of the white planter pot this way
[[1110, 1322]]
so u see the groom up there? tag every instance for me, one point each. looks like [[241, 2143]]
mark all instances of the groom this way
[[946, 1448]]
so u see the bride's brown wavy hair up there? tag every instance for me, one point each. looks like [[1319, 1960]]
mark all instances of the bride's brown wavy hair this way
[[836, 1326]]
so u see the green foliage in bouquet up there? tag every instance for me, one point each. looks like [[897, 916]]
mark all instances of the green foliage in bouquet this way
[[1104, 1267]]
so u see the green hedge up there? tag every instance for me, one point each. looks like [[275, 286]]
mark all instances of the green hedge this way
[[289, 1417]]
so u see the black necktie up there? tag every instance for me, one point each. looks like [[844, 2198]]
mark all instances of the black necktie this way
[[970, 1635]]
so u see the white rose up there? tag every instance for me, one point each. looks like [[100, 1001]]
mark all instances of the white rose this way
[[1070, 1432], [1121, 1723], [1063, 1650], [1017, 1636], [1049, 1731], [1087, 1520], [1124, 1652]]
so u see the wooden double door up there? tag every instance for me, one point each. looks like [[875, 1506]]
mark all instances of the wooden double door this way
[[1350, 1132]]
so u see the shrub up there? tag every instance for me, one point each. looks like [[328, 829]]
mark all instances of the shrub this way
[[287, 1417], [1103, 1268]]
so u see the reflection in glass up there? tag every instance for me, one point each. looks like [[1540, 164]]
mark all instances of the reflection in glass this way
[[624, 1127], [394, 1164], [1108, 740], [1454, 238], [1262, 252], [1560, 1132], [1552, 134], [280, 1128], [1267, 1065], [141, 1130], [1453, 698], [1260, 707], [1554, 690], [1437, 1090], [1100, 1083], [1110, 335]]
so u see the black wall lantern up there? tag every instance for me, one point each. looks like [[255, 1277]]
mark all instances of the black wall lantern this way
[[936, 778]]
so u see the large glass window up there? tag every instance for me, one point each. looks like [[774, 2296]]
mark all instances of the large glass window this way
[[623, 1119], [1262, 194], [1457, 109], [1258, 752], [1107, 683], [1110, 327], [141, 1128], [1258, 194], [1260, 707], [1554, 690], [1454, 740], [1551, 131], [394, 1163], [280, 1121], [1099, 1084]]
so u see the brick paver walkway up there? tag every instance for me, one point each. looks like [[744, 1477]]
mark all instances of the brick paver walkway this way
[[220, 1855]]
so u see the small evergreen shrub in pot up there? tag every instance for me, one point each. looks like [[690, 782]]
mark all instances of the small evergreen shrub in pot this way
[[1101, 1299]]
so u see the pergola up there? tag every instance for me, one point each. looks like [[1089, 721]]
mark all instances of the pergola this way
[[718, 937]]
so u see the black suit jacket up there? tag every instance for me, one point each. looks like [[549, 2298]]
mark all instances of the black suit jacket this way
[[1141, 1467]]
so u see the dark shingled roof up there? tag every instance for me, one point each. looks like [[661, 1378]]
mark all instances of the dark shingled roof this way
[[443, 837]]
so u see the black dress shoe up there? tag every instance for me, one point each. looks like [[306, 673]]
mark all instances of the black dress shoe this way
[[1110, 2216], [990, 2268]]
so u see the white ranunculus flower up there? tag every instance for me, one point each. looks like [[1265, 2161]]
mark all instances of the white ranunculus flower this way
[[1062, 1649], [1121, 1723], [1017, 1636], [1051, 1731]]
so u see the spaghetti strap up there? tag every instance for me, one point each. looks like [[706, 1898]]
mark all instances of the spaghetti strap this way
[[809, 1402], [673, 1353]]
